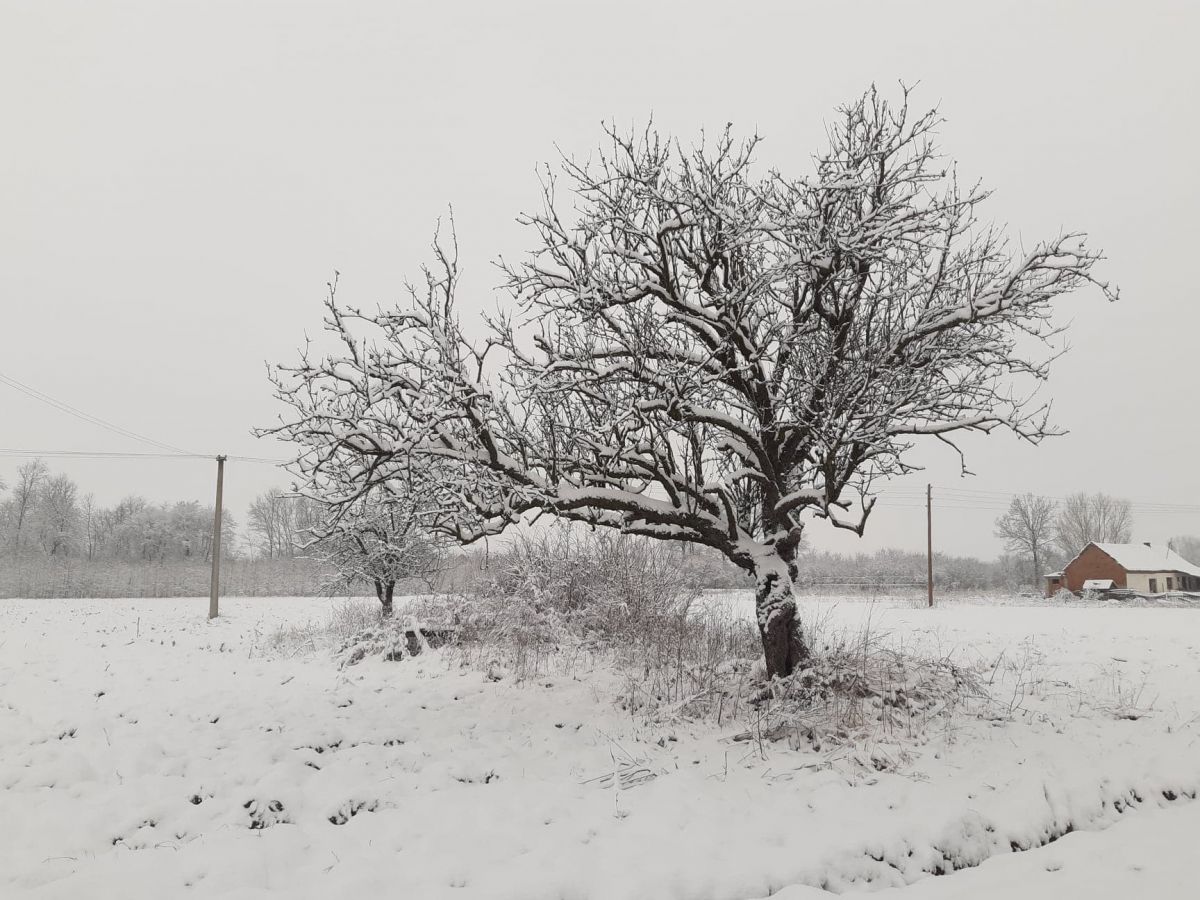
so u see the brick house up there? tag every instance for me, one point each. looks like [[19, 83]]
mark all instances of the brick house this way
[[1137, 567]]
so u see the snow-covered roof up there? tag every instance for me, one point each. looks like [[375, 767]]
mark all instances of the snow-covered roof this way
[[1053, 575], [1098, 584], [1148, 558]]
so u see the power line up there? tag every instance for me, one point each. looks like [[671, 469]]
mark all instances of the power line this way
[[894, 498], [1004, 499], [70, 410], [99, 454], [951, 498], [120, 454], [62, 406], [961, 495]]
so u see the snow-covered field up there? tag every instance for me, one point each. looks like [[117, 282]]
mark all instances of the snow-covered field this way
[[146, 752]]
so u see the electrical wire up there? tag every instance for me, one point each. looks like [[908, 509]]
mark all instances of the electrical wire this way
[[70, 410], [950, 498], [173, 452], [119, 454], [99, 454]]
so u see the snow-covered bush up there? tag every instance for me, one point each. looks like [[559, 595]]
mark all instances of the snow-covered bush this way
[[562, 601], [634, 602], [392, 639], [348, 622], [387, 639], [594, 586], [566, 587]]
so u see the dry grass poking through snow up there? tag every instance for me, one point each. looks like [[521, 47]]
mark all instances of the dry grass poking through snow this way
[[562, 606], [863, 698]]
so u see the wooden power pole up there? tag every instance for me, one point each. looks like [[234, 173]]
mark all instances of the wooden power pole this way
[[929, 539], [215, 585]]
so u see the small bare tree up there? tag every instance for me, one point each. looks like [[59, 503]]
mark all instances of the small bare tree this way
[[1084, 517], [58, 516], [379, 543], [701, 352], [1187, 546], [90, 516], [1028, 529], [30, 478]]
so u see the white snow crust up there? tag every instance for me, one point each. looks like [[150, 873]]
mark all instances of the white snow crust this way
[[148, 753]]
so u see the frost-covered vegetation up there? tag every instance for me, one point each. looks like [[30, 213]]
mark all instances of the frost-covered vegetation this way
[[566, 600]]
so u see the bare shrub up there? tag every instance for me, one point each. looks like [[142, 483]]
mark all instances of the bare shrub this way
[[1122, 696], [345, 621], [597, 586], [560, 598], [390, 638], [561, 586], [561, 602], [858, 691]]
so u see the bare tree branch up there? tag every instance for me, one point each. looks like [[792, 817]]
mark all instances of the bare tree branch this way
[[699, 352]]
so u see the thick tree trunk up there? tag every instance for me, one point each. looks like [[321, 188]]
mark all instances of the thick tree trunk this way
[[384, 590], [784, 646]]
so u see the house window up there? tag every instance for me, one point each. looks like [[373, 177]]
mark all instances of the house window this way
[[1170, 583], [1154, 585]]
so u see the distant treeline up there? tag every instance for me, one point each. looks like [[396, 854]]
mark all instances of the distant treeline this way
[[42, 577], [43, 513], [58, 542], [901, 568]]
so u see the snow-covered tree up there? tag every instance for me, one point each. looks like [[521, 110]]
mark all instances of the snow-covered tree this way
[[90, 516], [56, 515], [30, 478], [1187, 546], [138, 530], [699, 350], [279, 522], [377, 543], [1087, 517], [1028, 529]]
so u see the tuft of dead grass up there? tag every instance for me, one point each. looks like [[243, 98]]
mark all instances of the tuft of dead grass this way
[[860, 690], [346, 619]]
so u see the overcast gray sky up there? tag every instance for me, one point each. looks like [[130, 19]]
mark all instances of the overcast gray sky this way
[[178, 180]]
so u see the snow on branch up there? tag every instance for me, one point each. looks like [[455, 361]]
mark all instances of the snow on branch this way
[[696, 350]]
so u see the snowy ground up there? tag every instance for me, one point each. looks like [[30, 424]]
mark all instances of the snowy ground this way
[[146, 752]]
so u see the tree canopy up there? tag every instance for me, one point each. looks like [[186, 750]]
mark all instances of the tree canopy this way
[[698, 350]]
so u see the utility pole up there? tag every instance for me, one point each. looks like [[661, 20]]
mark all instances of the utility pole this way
[[929, 536], [215, 584]]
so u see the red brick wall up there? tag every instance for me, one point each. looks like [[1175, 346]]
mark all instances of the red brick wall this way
[[1092, 563]]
